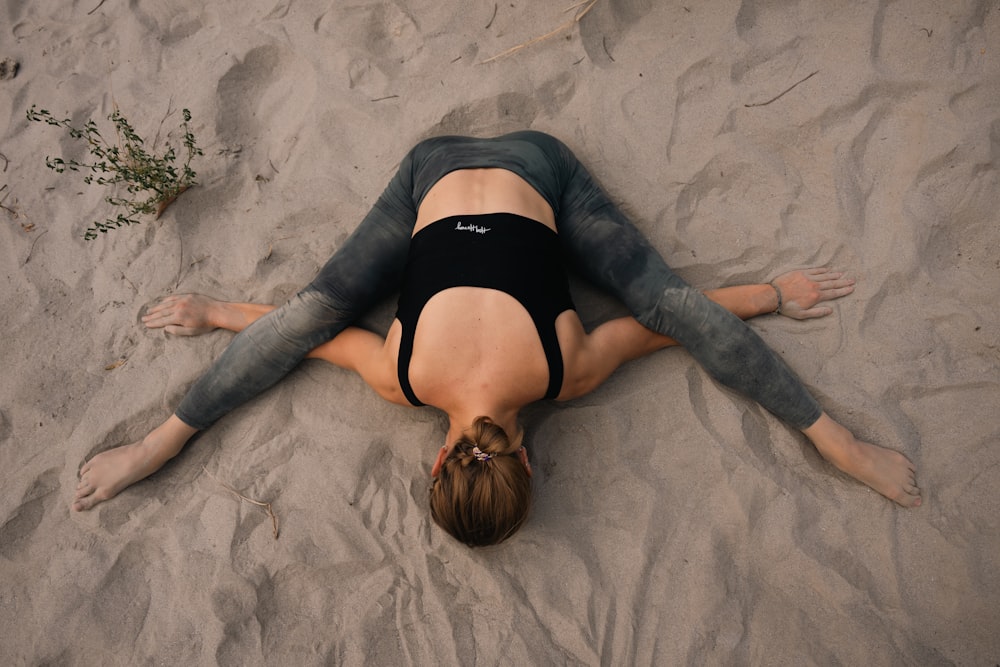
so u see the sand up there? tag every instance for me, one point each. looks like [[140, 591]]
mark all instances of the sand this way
[[675, 521]]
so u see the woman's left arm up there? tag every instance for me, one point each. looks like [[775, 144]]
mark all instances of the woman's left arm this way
[[595, 356], [795, 294]]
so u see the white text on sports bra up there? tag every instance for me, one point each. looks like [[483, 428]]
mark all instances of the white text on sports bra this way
[[479, 229]]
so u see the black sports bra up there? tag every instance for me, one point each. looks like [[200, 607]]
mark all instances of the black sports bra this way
[[503, 251]]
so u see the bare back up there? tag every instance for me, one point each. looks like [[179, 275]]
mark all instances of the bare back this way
[[472, 340], [475, 191]]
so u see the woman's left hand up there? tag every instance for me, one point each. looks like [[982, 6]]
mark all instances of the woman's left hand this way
[[801, 290]]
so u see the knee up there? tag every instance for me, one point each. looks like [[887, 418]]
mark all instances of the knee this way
[[673, 309], [720, 341], [308, 319]]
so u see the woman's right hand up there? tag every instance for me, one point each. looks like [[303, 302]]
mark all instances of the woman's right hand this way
[[184, 314]]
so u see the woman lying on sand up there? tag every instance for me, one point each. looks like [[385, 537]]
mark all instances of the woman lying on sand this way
[[473, 232]]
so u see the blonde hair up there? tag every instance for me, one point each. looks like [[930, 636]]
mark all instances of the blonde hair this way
[[482, 497]]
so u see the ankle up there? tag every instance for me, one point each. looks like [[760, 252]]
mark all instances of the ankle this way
[[167, 440], [832, 440]]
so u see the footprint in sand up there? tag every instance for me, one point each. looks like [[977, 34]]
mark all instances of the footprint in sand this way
[[379, 509], [607, 24], [376, 40], [18, 528], [265, 100], [509, 111], [125, 595]]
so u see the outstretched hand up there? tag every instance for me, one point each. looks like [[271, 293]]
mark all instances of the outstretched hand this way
[[183, 315], [801, 290]]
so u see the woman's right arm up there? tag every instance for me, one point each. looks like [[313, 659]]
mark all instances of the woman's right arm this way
[[354, 349], [195, 314]]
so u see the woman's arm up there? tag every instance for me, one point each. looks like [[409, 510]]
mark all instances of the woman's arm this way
[[354, 349], [745, 301], [800, 290], [195, 314], [596, 355]]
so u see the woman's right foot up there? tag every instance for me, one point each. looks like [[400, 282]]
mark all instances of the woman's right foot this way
[[107, 474]]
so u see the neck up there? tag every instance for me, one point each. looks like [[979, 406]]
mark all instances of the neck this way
[[460, 421]]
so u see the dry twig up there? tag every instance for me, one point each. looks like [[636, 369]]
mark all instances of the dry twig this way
[[32, 248], [587, 6], [266, 506], [7, 208], [782, 93]]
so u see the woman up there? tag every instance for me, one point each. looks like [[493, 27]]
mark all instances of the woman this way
[[516, 181]]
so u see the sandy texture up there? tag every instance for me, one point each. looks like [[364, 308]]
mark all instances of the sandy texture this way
[[676, 523]]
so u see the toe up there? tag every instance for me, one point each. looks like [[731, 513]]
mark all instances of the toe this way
[[88, 500], [908, 499]]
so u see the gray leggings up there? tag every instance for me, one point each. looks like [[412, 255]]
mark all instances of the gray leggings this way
[[595, 235]]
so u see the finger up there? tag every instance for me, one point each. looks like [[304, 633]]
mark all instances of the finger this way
[[816, 271], [811, 313], [157, 321], [832, 277], [186, 331], [835, 280], [830, 294], [159, 312], [165, 302], [161, 319]]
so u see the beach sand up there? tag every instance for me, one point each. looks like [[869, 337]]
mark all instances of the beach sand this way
[[675, 522]]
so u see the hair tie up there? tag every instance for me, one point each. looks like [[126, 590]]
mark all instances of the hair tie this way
[[480, 454]]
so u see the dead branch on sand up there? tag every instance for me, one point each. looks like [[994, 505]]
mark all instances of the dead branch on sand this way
[[258, 503], [586, 5]]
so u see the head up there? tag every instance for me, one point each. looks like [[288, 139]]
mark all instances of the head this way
[[482, 493]]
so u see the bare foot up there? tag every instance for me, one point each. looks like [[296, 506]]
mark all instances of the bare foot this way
[[107, 474], [888, 472], [183, 314]]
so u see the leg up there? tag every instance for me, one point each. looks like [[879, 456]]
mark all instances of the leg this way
[[612, 253], [366, 269], [888, 472], [103, 476]]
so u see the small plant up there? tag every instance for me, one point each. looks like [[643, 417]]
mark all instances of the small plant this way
[[152, 182]]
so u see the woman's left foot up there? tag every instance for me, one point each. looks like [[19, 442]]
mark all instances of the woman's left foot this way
[[888, 472]]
